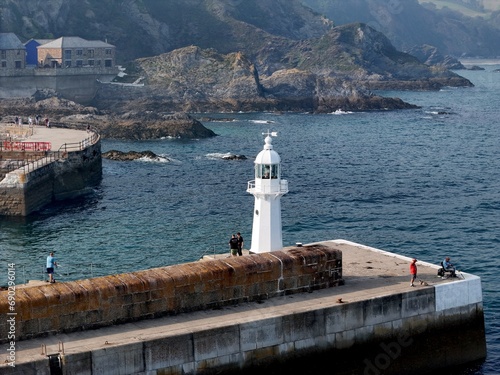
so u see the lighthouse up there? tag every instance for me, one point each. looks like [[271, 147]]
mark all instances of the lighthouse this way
[[267, 188]]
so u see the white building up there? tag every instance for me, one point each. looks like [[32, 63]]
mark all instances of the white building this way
[[267, 188]]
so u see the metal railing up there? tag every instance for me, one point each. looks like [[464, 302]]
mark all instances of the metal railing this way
[[66, 272], [210, 251], [82, 145], [32, 162], [268, 188]]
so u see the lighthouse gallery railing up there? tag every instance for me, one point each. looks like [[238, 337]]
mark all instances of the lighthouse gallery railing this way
[[282, 188]]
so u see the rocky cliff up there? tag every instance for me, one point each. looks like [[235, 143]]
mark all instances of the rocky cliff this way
[[321, 74], [457, 28]]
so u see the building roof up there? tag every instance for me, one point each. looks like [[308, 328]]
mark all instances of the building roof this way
[[75, 42], [39, 41], [268, 155], [10, 41]]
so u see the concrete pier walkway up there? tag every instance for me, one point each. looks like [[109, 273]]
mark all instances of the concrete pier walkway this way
[[30, 178], [368, 273], [37, 133]]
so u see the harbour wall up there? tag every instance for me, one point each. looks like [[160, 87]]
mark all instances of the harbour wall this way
[[58, 176], [105, 301], [392, 335], [410, 332], [77, 84]]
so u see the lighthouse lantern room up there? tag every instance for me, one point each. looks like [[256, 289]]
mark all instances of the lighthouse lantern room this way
[[267, 188]]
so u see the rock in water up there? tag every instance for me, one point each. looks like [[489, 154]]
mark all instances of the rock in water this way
[[131, 155]]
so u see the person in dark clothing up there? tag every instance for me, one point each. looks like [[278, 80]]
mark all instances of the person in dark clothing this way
[[449, 267], [240, 243], [233, 245]]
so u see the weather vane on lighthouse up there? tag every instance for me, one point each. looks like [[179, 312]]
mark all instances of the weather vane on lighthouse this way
[[267, 188]]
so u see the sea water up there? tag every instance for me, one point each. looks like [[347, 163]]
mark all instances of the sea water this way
[[423, 183]]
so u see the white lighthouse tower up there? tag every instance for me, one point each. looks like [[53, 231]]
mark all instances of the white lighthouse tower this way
[[267, 188]]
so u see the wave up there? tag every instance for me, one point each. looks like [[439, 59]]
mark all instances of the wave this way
[[262, 121], [438, 111], [226, 156], [157, 159], [340, 112]]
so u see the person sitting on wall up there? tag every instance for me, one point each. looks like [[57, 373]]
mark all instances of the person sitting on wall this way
[[448, 267]]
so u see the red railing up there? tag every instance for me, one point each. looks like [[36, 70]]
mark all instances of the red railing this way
[[25, 146]]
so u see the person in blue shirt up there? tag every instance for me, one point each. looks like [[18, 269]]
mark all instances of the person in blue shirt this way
[[51, 264], [448, 266]]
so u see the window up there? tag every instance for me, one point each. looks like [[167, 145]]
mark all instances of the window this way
[[4, 64], [91, 62], [79, 63], [18, 64], [67, 64], [274, 171], [79, 52], [98, 62], [267, 171], [108, 63], [4, 54], [108, 51], [67, 54], [90, 52]]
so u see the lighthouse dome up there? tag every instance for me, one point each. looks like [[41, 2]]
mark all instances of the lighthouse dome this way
[[268, 155]]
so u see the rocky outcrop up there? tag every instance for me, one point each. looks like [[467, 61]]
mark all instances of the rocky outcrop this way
[[334, 71], [154, 125], [48, 105], [234, 157], [358, 54], [132, 155], [429, 55], [149, 155], [133, 125], [475, 67], [315, 75]]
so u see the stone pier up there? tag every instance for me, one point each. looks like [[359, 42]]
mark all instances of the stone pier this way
[[332, 306], [70, 166]]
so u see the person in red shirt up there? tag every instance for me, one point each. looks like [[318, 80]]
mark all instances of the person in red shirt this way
[[413, 271]]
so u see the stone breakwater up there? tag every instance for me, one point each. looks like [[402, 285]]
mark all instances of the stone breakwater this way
[[373, 324], [109, 300]]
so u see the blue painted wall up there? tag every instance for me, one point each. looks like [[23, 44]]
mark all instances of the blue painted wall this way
[[31, 52]]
